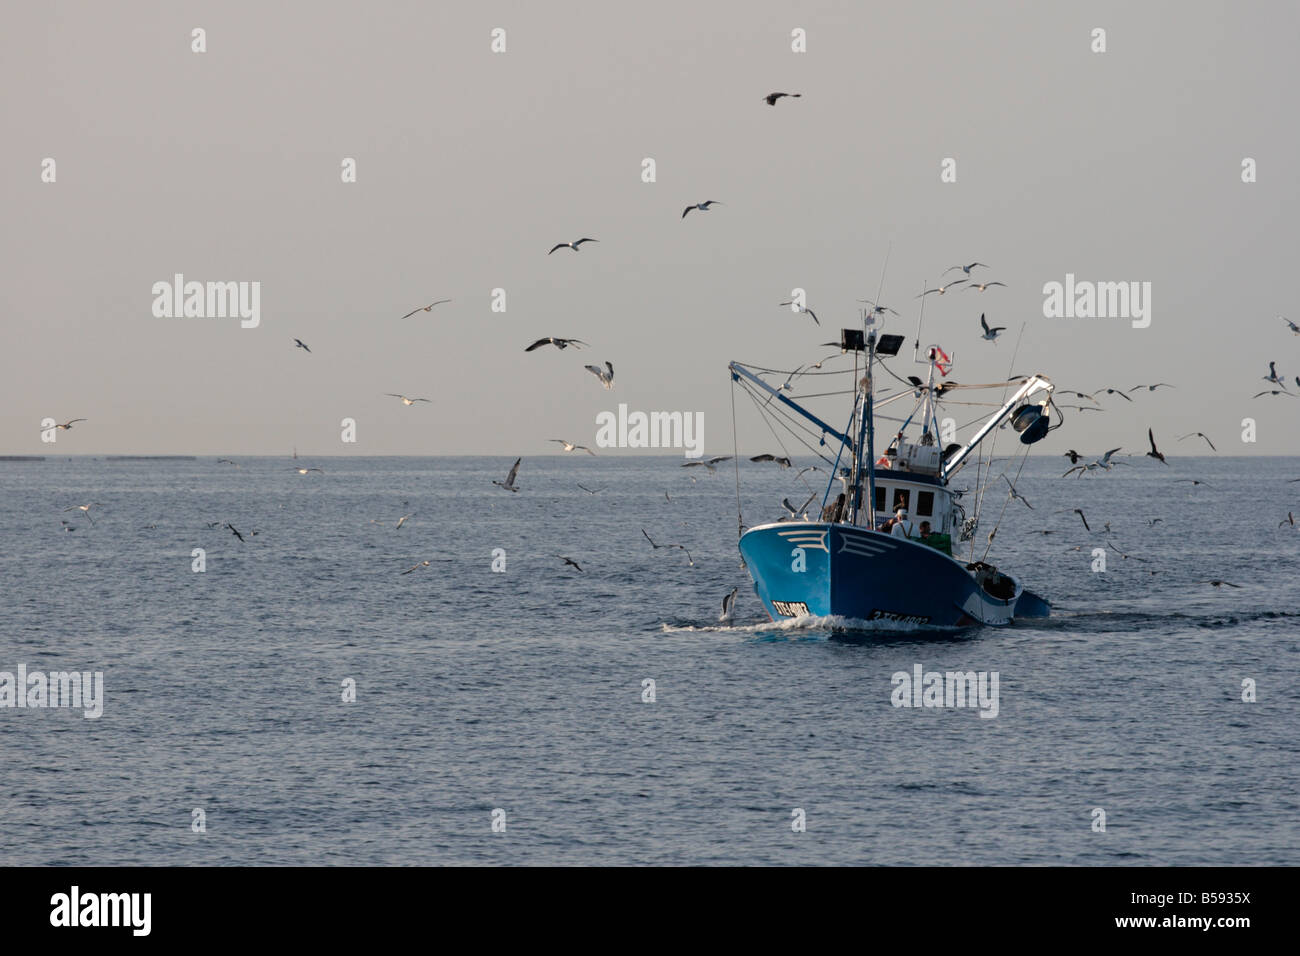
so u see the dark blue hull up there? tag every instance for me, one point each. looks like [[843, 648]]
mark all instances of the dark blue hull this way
[[835, 569]]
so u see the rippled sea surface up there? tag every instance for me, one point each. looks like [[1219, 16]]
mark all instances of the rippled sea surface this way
[[522, 691]]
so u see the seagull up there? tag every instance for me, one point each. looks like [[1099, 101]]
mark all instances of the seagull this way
[[571, 245], [1272, 376], [877, 309], [303, 471], [401, 521], [509, 483], [1079, 512], [234, 531], [728, 605], [799, 308], [558, 342], [606, 377], [425, 308], [710, 463], [1103, 462], [67, 525], [990, 334], [85, 510], [801, 510], [941, 289], [1218, 584], [1290, 519], [1122, 554], [1080, 394], [302, 345], [656, 547], [1200, 435], [68, 424], [1151, 522], [570, 446], [1154, 452], [809, 468], [591, 491], [1115, 391], [701, 206], [416, 567], [771, 98], [965, 269], [1294, 328], [1151, 388], [1194, 482], [1272, 391], [1072, 455], [783, 462], [1015, 495], [407, 401], [227, 461], [569, 561], [984, 285]]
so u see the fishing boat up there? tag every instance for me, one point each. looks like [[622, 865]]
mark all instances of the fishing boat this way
[[842, 562]]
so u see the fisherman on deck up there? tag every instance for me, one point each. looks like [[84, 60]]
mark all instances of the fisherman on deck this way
[[902, 528]]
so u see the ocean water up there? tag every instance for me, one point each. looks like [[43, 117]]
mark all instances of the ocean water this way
[[522, 691]]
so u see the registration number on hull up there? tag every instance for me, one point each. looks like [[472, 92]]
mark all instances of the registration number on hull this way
[[790, 608]]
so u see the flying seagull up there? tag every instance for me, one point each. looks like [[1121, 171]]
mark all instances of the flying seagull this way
[[85, 510], [558, 342], [1151, 388], [416, 567], [941, 289], [983, 285], [771, 98], [568, 561], [401, 521], [1073, 456], [1079, 512], [303, 471], [1154, 452], [709, 463], [1115, 391], [1271, 391], [1290, 519], [1219, 584], [407, 401], [509, 483], [877, 309], [1194, 481], [991, 334], [799, 308], [234, 531], [591, 491], [1122, 554], [570, 446], [965, 269], [1291, 325], [1200, 435], [783, 462], [701, 206], [656, 547], [425, 308], [728, 605], [571, 245], [1015, 495], [300, 344], [68, 424], [1272, 375], [606, 377]]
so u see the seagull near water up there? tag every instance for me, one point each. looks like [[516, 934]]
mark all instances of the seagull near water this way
[[85, 510], [569, 561], [303, 471], [509, 483], [299, 343], [771, 98], [701, 206], [407, 401], [991, 334], [570, 446], [416, 567], [606, 375], [66, 426], [1199, 435], [728, 605], [1015, 495], [1154, 452], [656, 547], [558, 342], [783, 462], [571, 245], [425, 308], [709, 463]]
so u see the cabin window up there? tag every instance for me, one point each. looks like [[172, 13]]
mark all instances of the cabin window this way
[[925, 503], [880, 497], [902, 497]]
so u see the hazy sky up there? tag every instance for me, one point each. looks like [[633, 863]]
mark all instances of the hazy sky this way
[[225, 166]]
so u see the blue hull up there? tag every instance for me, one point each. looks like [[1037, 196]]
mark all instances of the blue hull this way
[[835, 569]]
